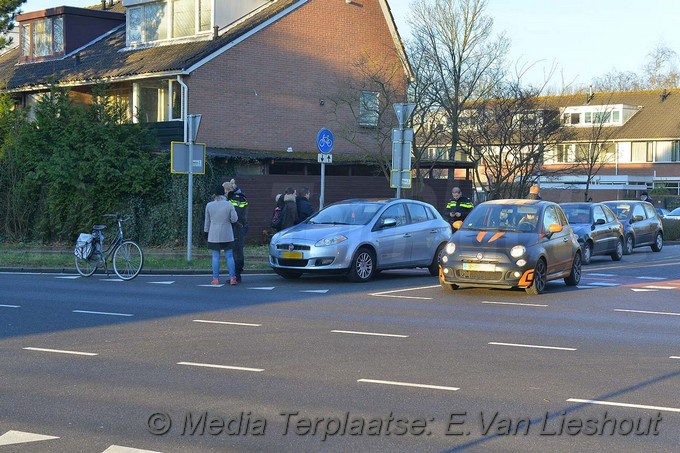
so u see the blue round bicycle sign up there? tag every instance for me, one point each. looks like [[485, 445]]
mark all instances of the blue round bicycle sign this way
[[324, 140]]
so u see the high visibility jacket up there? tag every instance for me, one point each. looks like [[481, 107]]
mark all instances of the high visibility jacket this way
[[462, 205], [240, 202]]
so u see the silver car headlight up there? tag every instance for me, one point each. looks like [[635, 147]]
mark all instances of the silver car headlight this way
[[330, 240], [517, 251], [450, 248]]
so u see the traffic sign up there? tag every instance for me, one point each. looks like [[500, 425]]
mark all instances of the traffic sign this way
[[179, 158], [403, 112], [324, 140], [325, 158]]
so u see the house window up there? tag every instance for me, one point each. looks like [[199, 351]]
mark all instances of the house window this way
[[664, 151], [571, 118], [42, 37], [601, 117], [616, 116], [168, 19], [588, 117], [642, 152], [368, 109], [157, 100]]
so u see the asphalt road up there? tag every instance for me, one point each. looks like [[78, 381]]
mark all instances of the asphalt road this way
[[169, 364]]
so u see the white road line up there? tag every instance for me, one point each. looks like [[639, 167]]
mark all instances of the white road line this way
[[513, 303], [390, 293], [213, 286], [652, 278], [70, 277], [120, 449], [263, 288], [674, 357], [604, 284], [10, 306], [600, 275], [19, 437], [101, 313], [642, 290], [659, 287], [586, 286], [637, 406], [647, 312], [206, 321], [320, 291], [375, 334], [408, 384], [532, 346], [111, 280], [162, 283], [224, 367], [60, 351]]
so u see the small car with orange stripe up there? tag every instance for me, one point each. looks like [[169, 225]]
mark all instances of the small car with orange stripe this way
[[510, 244]]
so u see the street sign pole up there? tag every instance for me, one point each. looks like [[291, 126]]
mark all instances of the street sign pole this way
[[194, 122], [403, 112], [324, 141]]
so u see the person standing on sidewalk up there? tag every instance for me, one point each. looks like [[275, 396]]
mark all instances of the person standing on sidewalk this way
[[219, 216], [238, 199], [457, 208], [304, 206], [289, 213]]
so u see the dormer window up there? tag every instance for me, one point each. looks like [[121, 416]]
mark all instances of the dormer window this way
[[169, 19], [42, 38]]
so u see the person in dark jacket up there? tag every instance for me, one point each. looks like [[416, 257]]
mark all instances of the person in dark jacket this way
[[304, 206], [644, 196], [236, 197], [289, 213], [458, 207]]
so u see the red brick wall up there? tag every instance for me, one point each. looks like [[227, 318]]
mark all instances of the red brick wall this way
[[264, 93]]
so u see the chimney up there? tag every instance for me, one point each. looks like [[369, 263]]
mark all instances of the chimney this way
[[216, 32], [103, 4]]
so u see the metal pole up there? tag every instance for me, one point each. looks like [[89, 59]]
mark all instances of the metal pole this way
[[323, 185], [190, 187]]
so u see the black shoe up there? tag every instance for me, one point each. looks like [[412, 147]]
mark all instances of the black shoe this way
[[238, 278]]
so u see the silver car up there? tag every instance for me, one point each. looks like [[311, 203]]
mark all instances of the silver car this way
[[360, 237]]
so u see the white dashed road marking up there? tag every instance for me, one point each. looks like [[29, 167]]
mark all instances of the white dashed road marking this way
[[20, 437], [390, 293], [61, 351], [375, 334], [408, 384], [513, 303], [647, 312], [10, 306], [532, 346], [206, 321], [224, 367], [636, 406], [101, 313]]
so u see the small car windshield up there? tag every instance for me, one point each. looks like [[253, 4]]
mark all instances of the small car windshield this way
[[346, 214], [503, 218], [622, 210]]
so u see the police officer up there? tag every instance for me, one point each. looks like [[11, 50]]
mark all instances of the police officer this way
[[236, 197], [458, 207]]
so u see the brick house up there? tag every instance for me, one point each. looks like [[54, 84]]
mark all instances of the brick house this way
[[261, 73]]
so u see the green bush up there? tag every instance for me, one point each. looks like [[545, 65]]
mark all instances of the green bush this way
[[671, 229]]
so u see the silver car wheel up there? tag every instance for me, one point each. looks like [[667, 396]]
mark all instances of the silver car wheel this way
[[364, 265]]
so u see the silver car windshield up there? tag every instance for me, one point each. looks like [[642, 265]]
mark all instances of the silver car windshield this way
[[503, 218], [346, 214]]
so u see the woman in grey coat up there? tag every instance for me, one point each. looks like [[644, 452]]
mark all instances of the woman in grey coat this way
[[219, 215]]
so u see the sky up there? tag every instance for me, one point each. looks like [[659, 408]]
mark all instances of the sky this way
[[583, 38]]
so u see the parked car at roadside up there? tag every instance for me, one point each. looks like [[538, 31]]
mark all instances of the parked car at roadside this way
[[674, 214], [663, 212], [512, 243], [641, 224], [360, 237], [598, 230]]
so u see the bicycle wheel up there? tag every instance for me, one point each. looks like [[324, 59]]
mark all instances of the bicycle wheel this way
[[87, 267], [128, 260]]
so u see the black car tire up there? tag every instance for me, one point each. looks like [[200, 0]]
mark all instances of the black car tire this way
[[575, 277], [628, 245], [618, 254], [658, 243], [288, 275], [538, 285], [363, 266], [448, 287], [587, 252], [434, 267]]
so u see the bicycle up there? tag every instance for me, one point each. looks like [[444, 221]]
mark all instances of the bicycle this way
[[127, 259]]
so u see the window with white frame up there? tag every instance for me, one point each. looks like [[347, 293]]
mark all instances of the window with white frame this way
[[368, 109], [642, 152], [168, 19], [157, 100]]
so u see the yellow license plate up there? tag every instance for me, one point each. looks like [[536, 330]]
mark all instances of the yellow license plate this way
[[292, 255], [485, 267]]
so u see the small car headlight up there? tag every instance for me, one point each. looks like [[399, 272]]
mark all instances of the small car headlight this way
[[330, 240], [450, 248], [517, 251]]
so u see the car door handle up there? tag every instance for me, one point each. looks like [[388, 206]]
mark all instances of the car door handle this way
[[434, 231], [565, 239], [407, 235]]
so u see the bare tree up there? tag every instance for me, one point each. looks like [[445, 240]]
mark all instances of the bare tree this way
[[660, 70], [594, 150], [464, 60], [507, 136], [616, 80]]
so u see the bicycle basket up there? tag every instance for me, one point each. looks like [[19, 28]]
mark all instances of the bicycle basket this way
[[84, 246]]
